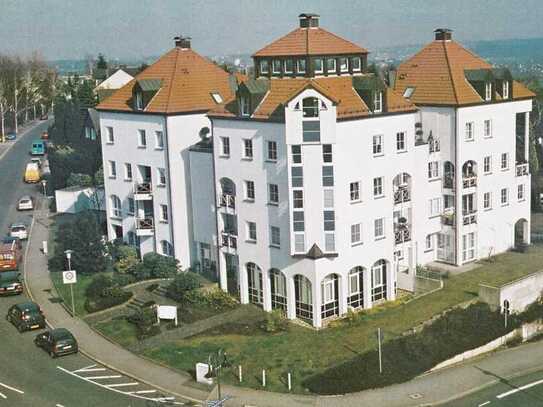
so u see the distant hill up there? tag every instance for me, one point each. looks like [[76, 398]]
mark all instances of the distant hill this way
[[529, 49]]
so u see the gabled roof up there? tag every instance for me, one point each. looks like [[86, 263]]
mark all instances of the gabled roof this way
[[438, 74], [183, 81], [310, 41], [339, 90]]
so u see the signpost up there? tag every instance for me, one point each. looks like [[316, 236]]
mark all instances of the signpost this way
[[166, 312], [70, 277]]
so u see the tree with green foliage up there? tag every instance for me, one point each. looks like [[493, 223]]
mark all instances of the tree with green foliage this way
[[155, 265], [101, 63], [126, 259], [77, 179], [182, 286]]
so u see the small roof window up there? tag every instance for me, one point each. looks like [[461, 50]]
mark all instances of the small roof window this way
[[217, 97], [408, 92]]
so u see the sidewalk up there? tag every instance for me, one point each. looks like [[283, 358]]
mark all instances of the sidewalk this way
[[431, 389]]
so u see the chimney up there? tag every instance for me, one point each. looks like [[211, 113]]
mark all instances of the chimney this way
[[443, 34], [308, 20], [182, 42]]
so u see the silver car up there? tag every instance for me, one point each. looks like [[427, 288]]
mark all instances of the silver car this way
[[18, 230], [25, 204]]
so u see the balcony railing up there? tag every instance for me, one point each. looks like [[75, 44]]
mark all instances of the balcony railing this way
[[522, 169], [448, 181], [402, 195], [434, 146], [144, 226], [402, 234], [143, 188], [227, 201], [229, 240], [469, 217], [469, 181]]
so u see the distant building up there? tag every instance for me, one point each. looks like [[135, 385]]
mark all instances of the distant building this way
[[110, 84]]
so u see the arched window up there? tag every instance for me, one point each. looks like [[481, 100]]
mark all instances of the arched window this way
[[304, 298], [166, 248], [254, 280], [115, 206], [356, 287], [379, 280], [278, 286]]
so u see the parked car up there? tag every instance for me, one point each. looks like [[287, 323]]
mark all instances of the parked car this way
[[26, 316], [45, 135], [18, 230], [44, 116], [10, 253], [10, 283], [32, 173], [11, 136], [25, 203], [57, 342], [38, 148], [37, 160]]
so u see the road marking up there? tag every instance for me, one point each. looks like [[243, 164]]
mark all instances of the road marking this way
[[86, 368], [143, 392], [3, 396], [98, 369], [103, 377], [122, 384], [12, 388], [59, 405], [526, 386], [484, 404]]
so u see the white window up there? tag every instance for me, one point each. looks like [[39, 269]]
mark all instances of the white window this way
[[142, 138], [115, 206], [327, 156], [225, 146], [298, 199], [166, 247], [488, 91], [275, 236], [487, 128], [520, 192], [264, 66], [159, 140], [504, 196], [249, 190], [378, 187], [408, 92], [448, 201], [487, 200], [318, 65], [355, 64], [328, 198], [296, 154], [301, 65], [110, 138], [299, 242], [139, 101], [248, 149], [273, 194], [505, 90], [487, 164], [433, 169], [331, 65], [164, 213], [217, 98], [343, 64], [379, 228], [289, 66], [276, 66], [131, 206], [378, 145], [244, 105], [355, 191], [112, 169], [356, 233], [330, 242], [128, 171], [468, 246], [400, 141], [161, 172], [377, 102], [378, 274], [251, 231], [272, 151], [429, 242], [469, 131], [505, 161], [435, 207]]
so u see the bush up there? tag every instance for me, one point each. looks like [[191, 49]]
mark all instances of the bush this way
[[125, 258], [123, 279], [405, 357], [275, 321], [218, 299], [182, 285], [98, 285], [102, 303], [145, 321], [156, 266], [104, 293]]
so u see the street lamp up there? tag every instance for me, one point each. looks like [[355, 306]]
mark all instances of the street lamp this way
[[68, 254], [44, 184], [215, 363]]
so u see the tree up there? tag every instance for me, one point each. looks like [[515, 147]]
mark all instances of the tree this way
[[126, 259], [155, 265], [182, 285], [81, 180], [101, 63]]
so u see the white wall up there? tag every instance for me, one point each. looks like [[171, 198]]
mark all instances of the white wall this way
[[115, 81]]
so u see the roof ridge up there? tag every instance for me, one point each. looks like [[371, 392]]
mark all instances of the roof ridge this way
[[453, 82]]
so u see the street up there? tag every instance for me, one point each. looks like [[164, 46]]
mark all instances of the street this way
[[28, 376]]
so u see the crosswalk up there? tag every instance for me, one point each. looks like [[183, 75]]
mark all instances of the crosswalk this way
[[113, 381]]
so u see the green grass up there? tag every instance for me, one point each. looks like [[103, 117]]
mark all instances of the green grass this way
[[119, 330], [304, 352], [79, 288]]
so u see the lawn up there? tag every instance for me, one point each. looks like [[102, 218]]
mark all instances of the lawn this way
[[303, 351], [119, 330], [79, 289]]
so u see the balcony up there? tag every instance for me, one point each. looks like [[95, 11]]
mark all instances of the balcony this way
[[143, 191], [402, 234], [447, 219], [401, 195], [469, 218], [145, 226], [229, 241], [227, 201], [469, 181], [522, 169]]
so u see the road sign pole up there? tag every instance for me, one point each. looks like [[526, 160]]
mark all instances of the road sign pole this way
[[380, 356], [73, 303]]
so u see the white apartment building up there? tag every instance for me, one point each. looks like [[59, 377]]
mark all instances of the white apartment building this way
[[322, 188]]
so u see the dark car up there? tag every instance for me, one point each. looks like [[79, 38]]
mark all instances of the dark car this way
[[10, 283], [57, 342], [26, 316], [9, 239]]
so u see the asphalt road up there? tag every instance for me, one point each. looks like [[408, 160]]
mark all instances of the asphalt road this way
[[28, 376], [525, 391]]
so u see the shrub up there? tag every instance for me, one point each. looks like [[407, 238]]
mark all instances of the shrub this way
[[182, 285], [152, 287], [145, 321], [104, 293], [105, 302], [275, 321], [126, 259], [98, 285], [219, 299], [123, 279], [156, 266]]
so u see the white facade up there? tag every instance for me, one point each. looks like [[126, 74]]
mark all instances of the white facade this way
[[115, 81]]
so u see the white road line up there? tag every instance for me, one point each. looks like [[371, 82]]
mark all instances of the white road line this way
[[86, 368], [484, 404], [526, 386], [122, 384], [103, 377], [59, 405], [98, 369], [12, 388], [3, 396], [143, 392]]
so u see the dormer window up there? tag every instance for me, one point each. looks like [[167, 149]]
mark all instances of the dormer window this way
[[377, 102], [264, 66], [318, 65], [289, 66], [310, 107], [408, 92], [331, 65], [505, 89], [216, 97], [488, 91], [244, 106], [139, 101], [301, 66], [343, 64], [276, 66], [355, 64]]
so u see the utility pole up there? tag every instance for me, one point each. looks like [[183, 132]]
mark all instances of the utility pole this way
[[15, 96], [380, 355]]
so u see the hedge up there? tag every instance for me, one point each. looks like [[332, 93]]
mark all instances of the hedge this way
[[408, 356]]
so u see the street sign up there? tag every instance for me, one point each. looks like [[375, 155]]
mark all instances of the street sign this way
[[69, 277]]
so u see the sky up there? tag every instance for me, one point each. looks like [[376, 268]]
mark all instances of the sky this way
[[67, 29]]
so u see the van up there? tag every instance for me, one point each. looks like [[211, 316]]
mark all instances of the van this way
[[38, 147], [32, 173], [10, 254]]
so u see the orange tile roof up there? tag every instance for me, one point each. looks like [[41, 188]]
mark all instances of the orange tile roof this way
[[310, 41], [187, 82], [339, 89], [437, 74]]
